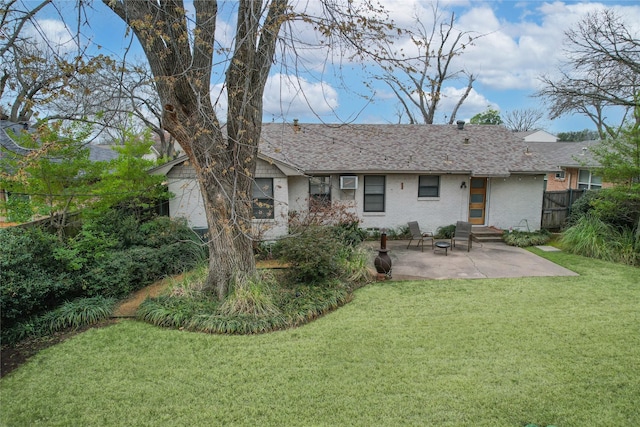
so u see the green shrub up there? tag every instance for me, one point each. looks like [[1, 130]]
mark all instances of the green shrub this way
[[18, 208], [524, 239], [31, 279], [445, 232], [162, 231], [349, 233], [313, 254]]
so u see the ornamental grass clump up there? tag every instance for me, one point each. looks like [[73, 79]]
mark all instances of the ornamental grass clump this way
[[81, 312], [592, 237], [252, 297], [524, 239]]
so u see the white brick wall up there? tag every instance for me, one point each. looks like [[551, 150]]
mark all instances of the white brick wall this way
[[516, 202], [511, 202]]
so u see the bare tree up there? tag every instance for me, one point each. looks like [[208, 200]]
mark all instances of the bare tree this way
[[417, 81], [601, 72], [523, 120], [181, 51]]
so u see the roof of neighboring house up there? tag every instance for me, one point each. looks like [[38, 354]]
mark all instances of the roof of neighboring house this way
[[96, 153], [478, 150], [537, 136], [567, 154], [5, 140]]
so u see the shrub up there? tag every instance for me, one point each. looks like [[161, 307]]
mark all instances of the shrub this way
[[524, 239], [31, 279], [162, 231], [313, 254], [445, 232]]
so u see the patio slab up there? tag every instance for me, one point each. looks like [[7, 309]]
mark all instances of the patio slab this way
[[485, 260]]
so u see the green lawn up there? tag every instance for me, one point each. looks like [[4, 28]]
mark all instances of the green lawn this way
[[550, 351]]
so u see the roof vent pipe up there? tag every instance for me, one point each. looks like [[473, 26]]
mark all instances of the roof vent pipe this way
[[460, 124]]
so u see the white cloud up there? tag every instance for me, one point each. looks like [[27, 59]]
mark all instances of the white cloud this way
[[287, 97], [52, 34], [515, 53]]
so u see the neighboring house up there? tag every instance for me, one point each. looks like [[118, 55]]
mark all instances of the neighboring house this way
[[574, 163], [537, 136], [386, 174]]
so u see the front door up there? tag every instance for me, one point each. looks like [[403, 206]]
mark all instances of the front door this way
[[477, 200]]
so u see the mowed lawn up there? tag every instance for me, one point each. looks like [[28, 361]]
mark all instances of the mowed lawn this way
[[549, 351]]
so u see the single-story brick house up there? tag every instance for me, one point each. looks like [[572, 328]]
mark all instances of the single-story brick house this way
[[386, 174]]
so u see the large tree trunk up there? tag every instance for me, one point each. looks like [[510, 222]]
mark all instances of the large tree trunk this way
[[181, 61]]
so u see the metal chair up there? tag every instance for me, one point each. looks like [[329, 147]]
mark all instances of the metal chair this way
[[417, 234], [462, 233]]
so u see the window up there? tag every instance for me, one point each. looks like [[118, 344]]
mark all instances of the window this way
[[588, 181], [263, 198], [560, 176], [429, 186], [374, 193], [320, 191]]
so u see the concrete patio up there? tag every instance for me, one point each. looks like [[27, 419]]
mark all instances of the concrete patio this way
[[484, 260]]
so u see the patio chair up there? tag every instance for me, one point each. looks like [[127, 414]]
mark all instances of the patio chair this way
[[462, 233], [419, 235]]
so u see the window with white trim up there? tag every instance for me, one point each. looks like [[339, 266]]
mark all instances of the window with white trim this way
[[320, 191], [263, 198], [588, 181], [429, 186], [374, 191]]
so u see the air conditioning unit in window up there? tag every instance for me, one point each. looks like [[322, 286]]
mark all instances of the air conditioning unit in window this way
[[348, 182]]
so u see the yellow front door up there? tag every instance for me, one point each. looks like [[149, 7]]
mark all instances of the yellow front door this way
[[477, 200]]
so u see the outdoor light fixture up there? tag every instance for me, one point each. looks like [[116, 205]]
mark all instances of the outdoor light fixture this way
[[464, 184]]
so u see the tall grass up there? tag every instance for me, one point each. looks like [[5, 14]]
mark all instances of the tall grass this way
[[251, 297], [592, 237]]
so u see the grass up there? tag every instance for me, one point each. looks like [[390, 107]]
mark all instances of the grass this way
[[561, 351]]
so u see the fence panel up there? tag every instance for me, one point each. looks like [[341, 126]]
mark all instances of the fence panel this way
[[556, 206]]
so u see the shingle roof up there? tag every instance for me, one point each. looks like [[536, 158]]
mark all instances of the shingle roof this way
[[567, 154], [96, 153], [6, 142], [479, 150]]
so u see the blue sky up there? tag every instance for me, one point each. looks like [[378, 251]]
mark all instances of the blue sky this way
[[522, 40]]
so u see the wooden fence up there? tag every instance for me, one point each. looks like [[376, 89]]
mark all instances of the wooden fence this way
[[556, 206]]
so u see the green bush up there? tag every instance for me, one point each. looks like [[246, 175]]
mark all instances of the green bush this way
[[31, 279], [524, 239], [349, 233], [445, 232], [162, 231], [314, 254], [618, 206]]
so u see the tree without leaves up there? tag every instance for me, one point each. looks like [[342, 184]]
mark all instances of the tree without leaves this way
[[417, 81], [180, 54], [602, 71], [523, 120]]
